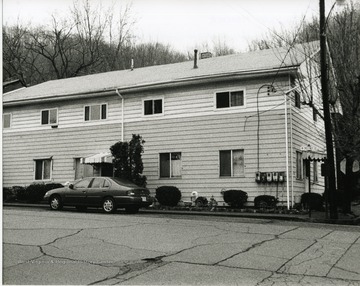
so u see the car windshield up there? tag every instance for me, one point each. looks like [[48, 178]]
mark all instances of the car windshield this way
[[124, 183]]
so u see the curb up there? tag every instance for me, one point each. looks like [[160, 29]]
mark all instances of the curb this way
[[298, 218]]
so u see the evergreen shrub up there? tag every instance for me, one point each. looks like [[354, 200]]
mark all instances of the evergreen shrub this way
[[265, 201], [168, 195], [312, 201], [235, 198]]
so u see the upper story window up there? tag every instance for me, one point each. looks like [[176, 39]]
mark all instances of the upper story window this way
[[153, 106], [49, 116], [314, 114], [297, 99], [229, 99], [6, 120], [95, 112]]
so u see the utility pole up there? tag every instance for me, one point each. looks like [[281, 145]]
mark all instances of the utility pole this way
[[327, 116]]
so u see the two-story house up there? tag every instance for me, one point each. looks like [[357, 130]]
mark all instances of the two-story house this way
[[230, 122]]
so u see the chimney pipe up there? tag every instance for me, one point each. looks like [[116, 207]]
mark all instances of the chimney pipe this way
[[132, 64], [195, 59]]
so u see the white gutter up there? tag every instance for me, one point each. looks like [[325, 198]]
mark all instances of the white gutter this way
[[122, 115], [56, 98]]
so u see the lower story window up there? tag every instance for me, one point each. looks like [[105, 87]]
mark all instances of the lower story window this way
[[232, 163], [315, 172], [299, 165], [170, 165], [43, 169]]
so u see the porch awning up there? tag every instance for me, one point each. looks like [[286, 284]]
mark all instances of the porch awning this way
[[104, 157], [312, 153]]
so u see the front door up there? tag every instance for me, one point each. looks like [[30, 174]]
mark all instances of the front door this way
[[77, 194]]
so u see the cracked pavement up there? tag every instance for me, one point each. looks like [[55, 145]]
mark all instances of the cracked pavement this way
[[46, 247]]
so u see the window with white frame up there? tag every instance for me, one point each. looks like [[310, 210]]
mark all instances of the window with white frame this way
[[299, 166], [170, 165], [232, 163], [153, 106], [49, 116], [95, 112], [6, 120], [43, 168], [229, 99]]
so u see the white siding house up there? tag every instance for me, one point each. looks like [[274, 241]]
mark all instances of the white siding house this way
[[206, 129]]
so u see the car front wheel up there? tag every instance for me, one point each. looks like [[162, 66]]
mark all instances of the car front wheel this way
[[55, 203], [109, 205]]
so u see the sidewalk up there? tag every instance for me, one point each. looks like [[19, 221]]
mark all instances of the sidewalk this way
[[316, 216]]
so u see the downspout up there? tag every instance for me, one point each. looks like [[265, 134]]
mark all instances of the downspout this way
[[291, 158], [122, 115], [287, 155]]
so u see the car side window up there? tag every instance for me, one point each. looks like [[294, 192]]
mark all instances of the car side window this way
[[83, 184], [100, 183], [106, 184]]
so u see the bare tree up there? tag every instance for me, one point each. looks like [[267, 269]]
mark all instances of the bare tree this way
[[18, 61], [149, 54]]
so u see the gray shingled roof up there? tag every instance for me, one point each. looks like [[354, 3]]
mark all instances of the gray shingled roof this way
[[270, 59]]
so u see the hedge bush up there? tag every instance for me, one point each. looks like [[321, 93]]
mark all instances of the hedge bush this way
[[33, 193], [312, 201], [235, 198], [19, 192], [9, 194], [265, 201], [168, 195]]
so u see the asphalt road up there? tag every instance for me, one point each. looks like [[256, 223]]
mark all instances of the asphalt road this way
[[43, 247]]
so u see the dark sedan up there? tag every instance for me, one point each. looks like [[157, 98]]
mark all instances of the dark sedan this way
[[108, 193]]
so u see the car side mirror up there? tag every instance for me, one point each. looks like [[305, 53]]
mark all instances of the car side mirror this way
[[71, 186]]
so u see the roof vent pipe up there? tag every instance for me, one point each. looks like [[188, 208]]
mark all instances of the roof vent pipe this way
[[195, 59]]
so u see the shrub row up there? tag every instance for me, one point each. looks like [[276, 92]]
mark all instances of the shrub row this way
[[170, 196], [33, 193]]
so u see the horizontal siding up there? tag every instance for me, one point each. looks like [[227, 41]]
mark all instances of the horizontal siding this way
[[178, 102], [190, 125], [28, 118], [200, 139]]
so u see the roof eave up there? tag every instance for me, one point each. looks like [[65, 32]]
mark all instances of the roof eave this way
[[157, 85]]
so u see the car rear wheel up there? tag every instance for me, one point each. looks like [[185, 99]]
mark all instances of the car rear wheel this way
[[108, 205], [55, 203], [132, 209]]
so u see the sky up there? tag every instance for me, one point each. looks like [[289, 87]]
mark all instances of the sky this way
[[185, 24]]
